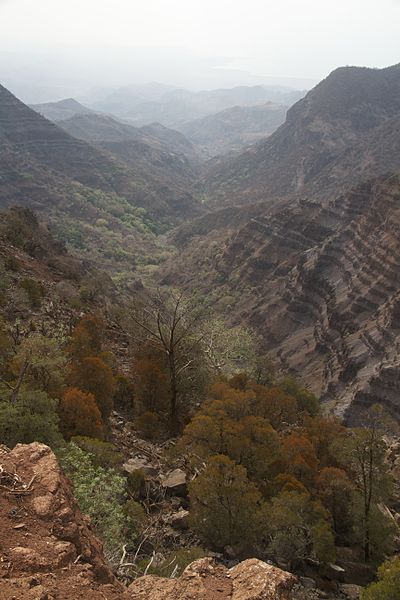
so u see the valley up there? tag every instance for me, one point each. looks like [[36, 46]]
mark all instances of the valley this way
[[200, 315]]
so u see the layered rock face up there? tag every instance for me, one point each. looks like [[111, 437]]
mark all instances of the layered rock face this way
[[48, 550], [320, 282]]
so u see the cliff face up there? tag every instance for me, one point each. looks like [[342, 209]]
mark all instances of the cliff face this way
[[48, 550]]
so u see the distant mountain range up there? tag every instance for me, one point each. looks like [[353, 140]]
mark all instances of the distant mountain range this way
[[174, 107]]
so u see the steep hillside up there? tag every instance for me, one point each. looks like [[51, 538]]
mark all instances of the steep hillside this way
[[336, 129], [318, 280], [25, 131], [63, 109], [49, 549], [234, 128]]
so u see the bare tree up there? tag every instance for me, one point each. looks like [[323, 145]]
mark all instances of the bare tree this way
[[171, 323]]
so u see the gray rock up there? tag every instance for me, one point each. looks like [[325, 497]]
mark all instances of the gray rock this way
[[175, 483], [136, 464]]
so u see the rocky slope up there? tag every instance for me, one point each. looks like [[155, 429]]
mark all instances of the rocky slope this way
[[331, 136], [318, 281], [48, 550]]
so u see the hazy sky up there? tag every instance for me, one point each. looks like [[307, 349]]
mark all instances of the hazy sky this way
[[302, 39]]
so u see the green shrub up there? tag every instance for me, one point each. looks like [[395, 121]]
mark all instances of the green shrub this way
[[388, 585], [104, 454], [32, 417], [136, 483], [99, 492]]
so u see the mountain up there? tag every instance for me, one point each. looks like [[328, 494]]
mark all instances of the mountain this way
[[234, 128], [33, 144], [63, 109], [104, 129], [334, 133], [305, 248], [174, 107]]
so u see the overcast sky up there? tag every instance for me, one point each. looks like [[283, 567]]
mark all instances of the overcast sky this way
[[302, 39]]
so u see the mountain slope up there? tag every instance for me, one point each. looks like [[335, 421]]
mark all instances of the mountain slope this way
[[53, 149], [342, 113], [234, 128], [319, 282], [63, 109]]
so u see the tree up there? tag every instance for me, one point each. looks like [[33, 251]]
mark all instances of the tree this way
[[298, 528], [42, 363], [87, 338], [324, 433], [362, 453], [225, 505], [151, 382], [276, 405], [32, 417], [171, 324], [79, 415], [388, 585], [227, 427], [306, 400], [335, 490], [300, 458], [228, 350], [93, 375]]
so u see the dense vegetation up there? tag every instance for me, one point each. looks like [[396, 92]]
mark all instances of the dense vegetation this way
[[270, 475]]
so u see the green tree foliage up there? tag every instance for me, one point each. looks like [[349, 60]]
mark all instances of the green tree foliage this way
[[228, 350], [306, 400], [225, 505], [226, 426], [45, 363], [31, 417], [335, 492], [298, 527], [388, 585], [362, 453]]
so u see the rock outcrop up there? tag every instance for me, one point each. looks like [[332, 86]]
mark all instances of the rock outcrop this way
[[48, 550], [205, 580]]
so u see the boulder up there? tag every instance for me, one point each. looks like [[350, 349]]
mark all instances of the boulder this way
[[204, 579], [175, 483], [139, 464], [180, 520]]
